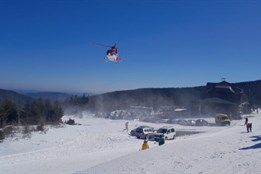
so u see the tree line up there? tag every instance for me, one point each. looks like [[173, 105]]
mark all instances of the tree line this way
[[31, 113], [77, 100]]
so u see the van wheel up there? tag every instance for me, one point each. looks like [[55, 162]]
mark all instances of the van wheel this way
[[166, 138], [174, 137]]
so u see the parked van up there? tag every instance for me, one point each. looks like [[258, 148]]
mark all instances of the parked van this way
[[222, 119], [166, 132]]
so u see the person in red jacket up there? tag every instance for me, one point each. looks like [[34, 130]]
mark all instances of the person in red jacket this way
[[249, 127]]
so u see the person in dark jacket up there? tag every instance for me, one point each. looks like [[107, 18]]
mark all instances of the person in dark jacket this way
[[246, 121], [161, 141]]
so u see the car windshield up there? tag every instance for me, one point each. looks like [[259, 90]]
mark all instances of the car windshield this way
[[139, 130], [162, 131]]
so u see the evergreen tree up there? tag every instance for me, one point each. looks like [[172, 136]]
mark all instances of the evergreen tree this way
[[3, 116], [58, 112], [37, 112], [26, 116], [8, 113]]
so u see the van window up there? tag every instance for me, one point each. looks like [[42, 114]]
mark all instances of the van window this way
[[162, 131]]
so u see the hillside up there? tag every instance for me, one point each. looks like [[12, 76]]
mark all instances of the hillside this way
[[151, 97], [52, 96], [22, 98], [101, 146], [252, 90], [227, 150], [156, 97], [14, 96], [188, 97]]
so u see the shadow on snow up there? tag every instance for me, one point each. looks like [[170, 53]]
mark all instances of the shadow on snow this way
[[256, 146]]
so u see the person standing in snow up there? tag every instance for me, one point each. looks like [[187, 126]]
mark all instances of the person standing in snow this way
[[126, 127], [145, 145], [246, 121], [249, 127], [161, 141]]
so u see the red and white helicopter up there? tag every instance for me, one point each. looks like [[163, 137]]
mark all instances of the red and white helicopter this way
[[111, 54]]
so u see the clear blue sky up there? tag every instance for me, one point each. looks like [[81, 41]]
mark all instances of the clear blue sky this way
[[48, 45]]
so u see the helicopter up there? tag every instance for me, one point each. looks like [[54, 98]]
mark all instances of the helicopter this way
[[111, 54]]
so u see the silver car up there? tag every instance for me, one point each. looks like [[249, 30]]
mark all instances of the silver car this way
[[134, 131], [142, 132]]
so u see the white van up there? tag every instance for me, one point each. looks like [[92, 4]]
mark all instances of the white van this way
[[166, 132]]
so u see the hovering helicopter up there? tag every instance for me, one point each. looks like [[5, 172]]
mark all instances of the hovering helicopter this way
[[111, 54]]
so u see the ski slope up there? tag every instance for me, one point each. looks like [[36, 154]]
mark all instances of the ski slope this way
[[101, 146]]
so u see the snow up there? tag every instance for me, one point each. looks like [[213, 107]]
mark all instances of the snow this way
[[101, 146]]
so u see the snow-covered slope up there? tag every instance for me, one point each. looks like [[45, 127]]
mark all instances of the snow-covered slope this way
[[101, 146], [230, 150]]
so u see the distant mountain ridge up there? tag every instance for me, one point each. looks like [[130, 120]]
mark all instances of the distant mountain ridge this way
[[154, 97], [23, 98], [186, 96], [52, 96], [14, 96]]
